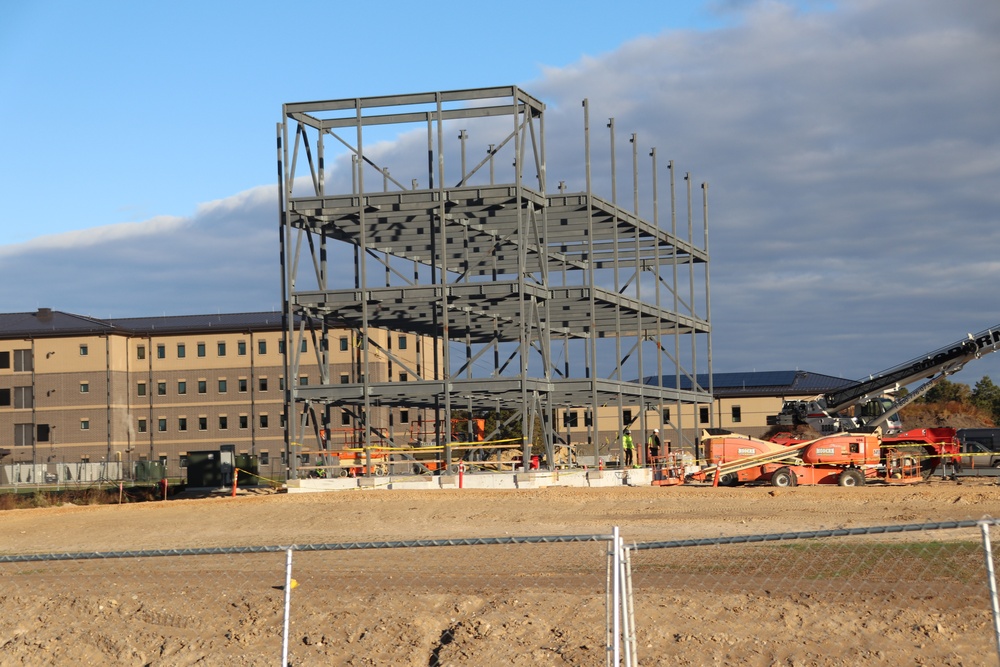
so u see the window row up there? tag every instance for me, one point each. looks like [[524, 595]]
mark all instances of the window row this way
[[201, 423], [242, 386], [201, 349], [358, 342], [22, 360]]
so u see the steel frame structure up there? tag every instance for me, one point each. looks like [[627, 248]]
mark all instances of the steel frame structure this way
[[510, 281]]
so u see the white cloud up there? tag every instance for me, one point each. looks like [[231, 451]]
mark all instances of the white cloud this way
[[852, 155]]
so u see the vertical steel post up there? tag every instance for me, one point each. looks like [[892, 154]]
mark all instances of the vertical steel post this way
[[616, 596], [288, 605], [591, 285], [991, 581]]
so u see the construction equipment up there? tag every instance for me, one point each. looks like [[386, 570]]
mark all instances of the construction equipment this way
[[910, 455], [847, 459], [867, 400]]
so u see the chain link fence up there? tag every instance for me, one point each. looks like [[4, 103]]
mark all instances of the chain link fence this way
[[909, 594]]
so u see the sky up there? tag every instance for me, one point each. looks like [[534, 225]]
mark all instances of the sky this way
[[852, 148]]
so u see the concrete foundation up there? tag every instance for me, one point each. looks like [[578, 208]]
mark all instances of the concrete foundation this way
[[537, 479]]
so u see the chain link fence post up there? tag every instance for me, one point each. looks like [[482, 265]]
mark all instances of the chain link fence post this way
[[991, 581]]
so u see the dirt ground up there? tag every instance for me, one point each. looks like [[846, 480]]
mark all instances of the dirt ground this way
[[500, 605]]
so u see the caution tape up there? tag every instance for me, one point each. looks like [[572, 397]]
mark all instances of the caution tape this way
[[253, 474]]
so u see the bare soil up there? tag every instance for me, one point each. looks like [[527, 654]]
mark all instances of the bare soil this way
[[501, 605]]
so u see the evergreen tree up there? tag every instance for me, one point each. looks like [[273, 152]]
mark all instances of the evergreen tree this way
[[986, 396], [946, 390]]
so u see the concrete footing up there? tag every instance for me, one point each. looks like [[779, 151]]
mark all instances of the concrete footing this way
[[535, 479]]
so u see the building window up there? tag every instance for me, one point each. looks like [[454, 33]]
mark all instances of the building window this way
[[42, 432], [5, 397], [161, 388], [84, 424], [281, 346], [182, 424], [161, 425], [23, 435], [343, 343], [223, 422], [22, 361], [703, 415], [265, 459], [345, 378], [4, 359], [262, 347], [84, 350], [244, 421], [303, 381], [202, 386], [263, 421], [304, 458], [626, 417], [345, 418], [262, 384], [402, 342], [140, 389], [202, 423], [181, 351], [182, 387], [201, 349], [303, 347], [24, 398], [84, 387], [222, 349], [243, 385], [666, 415], [737, 414], [141, 426], [404, 416], [570, 419], [241, 348], [281, 383], [223, 386], [161, 351], [403, 377], [140, 352]]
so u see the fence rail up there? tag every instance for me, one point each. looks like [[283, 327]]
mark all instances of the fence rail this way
[[874, 595]]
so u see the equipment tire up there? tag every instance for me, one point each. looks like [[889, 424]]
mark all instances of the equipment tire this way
[[783, 477], [729, 479], [851, 477]]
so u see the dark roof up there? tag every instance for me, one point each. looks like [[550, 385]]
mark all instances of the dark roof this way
[[46, 322], [758, 383]]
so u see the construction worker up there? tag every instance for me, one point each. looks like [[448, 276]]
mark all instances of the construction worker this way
[[628, 446], [653, 446]]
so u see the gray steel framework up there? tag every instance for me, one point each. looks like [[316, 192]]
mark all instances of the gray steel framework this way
[[527, 293]]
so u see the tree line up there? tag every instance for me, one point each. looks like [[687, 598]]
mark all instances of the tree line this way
[[984, 396]]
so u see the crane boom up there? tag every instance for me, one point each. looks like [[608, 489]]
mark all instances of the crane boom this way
[[946, 360], [824, 411]]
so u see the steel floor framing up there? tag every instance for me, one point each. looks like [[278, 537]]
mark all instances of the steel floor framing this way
[[480, 266]]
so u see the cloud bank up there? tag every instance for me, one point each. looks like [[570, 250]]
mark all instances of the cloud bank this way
[[852, 156]]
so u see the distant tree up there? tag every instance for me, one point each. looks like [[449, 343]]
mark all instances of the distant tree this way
[[946, 391], [986, 396]]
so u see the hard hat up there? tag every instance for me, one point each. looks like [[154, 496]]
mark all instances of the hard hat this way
[[656, 430]]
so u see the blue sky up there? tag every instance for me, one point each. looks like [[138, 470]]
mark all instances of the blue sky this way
[[126, 110], [852, 147]]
